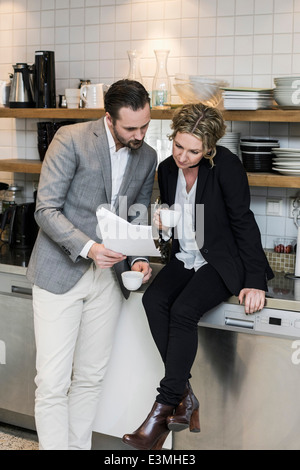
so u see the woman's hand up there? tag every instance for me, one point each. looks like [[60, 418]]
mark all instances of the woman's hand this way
[[254, 300], [158, 224], [143, 267]]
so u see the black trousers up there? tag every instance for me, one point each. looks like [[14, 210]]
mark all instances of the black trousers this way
[[174, 304]]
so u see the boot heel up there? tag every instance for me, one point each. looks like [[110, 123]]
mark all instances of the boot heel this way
[[160, 441], [195, 421]]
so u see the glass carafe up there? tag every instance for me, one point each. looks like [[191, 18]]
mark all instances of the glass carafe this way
[[134, 65], [161, 87]]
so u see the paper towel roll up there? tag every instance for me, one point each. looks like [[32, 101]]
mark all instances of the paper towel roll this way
[[297, 264]]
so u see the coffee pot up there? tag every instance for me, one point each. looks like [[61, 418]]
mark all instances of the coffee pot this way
[[21, 95]]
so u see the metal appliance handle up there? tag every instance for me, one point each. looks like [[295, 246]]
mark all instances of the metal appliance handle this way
[[21, 290], [239, 323]]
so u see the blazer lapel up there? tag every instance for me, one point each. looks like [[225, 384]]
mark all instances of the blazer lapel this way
[[172, 183], [133, 161], [203, 173], [102, 150]]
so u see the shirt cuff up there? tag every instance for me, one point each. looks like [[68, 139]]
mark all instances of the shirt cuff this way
[[166, 235], [86, 249], [138, 259]]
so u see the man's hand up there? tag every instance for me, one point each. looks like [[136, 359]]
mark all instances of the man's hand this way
[[254, 300], [103, 257], [143, 267]]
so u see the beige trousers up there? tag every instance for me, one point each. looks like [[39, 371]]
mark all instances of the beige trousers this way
[[74, 336]]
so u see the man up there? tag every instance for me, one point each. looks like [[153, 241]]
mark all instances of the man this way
[[77, 292]]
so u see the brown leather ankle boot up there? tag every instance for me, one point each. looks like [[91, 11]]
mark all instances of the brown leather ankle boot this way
[[152, 434], [186, 413]]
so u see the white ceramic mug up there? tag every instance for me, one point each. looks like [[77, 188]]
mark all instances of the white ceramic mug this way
[[132, 280], [4, 93], [93, 95], [169, 218], [72, 97]]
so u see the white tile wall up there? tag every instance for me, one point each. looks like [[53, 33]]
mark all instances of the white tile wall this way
[[246, 42]]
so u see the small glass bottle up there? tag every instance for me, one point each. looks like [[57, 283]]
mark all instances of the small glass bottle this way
[[134, 65], [9, 198], [161, 87]]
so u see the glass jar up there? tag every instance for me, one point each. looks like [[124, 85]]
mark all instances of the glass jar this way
[[3, 188], [134, 65], [83, 82], [161, 86], [9, 198]]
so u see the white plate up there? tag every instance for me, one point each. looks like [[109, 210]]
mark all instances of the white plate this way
[[292, 166], [286, 158], [283, 162], [285, 171], [286, 150]]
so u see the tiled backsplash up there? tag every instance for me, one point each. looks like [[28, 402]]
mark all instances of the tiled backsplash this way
[[246, 42]]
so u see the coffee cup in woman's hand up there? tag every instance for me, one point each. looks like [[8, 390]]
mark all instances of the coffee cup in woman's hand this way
[[169, 217]]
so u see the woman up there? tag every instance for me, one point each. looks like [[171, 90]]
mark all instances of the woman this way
[[231, 261]]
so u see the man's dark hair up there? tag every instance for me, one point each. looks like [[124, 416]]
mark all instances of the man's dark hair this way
[[125, 94]]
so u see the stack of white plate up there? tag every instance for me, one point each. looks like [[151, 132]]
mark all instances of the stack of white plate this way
[[231, 140], [286, 161], [287, 91], [247, 98]]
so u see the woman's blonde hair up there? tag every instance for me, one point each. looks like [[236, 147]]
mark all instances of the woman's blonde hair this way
[[204, 122]]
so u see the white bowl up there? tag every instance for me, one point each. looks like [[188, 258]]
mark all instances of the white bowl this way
[[132, 280], [169, 218], [195, 89]]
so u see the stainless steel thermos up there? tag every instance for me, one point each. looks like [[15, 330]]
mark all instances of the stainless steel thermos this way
[[21, 91]]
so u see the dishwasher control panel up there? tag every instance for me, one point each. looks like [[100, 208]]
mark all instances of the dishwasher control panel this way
[[269, 321]]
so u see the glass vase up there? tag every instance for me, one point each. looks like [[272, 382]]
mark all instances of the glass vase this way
[[134, 65], [161, 87]]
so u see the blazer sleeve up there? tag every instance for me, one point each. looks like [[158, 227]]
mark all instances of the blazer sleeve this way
[[236, 194], [58, 171]]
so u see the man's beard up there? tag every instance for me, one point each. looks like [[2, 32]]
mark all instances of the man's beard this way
[[131, 144]]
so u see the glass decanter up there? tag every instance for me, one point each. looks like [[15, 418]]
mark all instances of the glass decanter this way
[[134, 65], [161, 86]]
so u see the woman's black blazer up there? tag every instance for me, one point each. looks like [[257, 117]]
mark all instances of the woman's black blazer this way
[[232, 241]]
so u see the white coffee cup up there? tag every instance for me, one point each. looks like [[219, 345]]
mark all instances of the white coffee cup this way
[[93, 95], [4, 93], [169, 218], [72, 97], [132, 280]]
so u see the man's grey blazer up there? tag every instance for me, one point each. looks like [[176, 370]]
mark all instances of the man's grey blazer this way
[[75, 180]]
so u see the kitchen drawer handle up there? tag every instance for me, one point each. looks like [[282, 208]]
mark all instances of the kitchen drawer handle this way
[[239, 323], [21, 290]]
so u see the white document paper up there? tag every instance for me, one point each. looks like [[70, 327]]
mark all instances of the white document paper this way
[[121, 236]]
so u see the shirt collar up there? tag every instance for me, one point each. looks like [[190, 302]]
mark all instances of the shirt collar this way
[[111, 142]]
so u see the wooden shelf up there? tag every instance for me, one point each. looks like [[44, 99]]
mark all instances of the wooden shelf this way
[[255, 179], [20, 166], [262, 115], [266, 115], [61, 113], [273, 180]]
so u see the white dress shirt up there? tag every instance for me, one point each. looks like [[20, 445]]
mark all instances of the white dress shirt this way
[[189, 252], [119, 161]]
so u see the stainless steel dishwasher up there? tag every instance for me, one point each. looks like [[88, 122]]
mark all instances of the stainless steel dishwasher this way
[[17, 351], [247, 378]]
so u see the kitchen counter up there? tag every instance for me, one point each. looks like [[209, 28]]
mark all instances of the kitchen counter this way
[[284, 292]]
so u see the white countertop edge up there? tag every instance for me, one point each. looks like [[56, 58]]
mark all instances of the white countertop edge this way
[[10, 269], [279, 304]]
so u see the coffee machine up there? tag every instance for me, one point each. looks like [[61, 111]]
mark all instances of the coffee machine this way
[[45, 92]]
